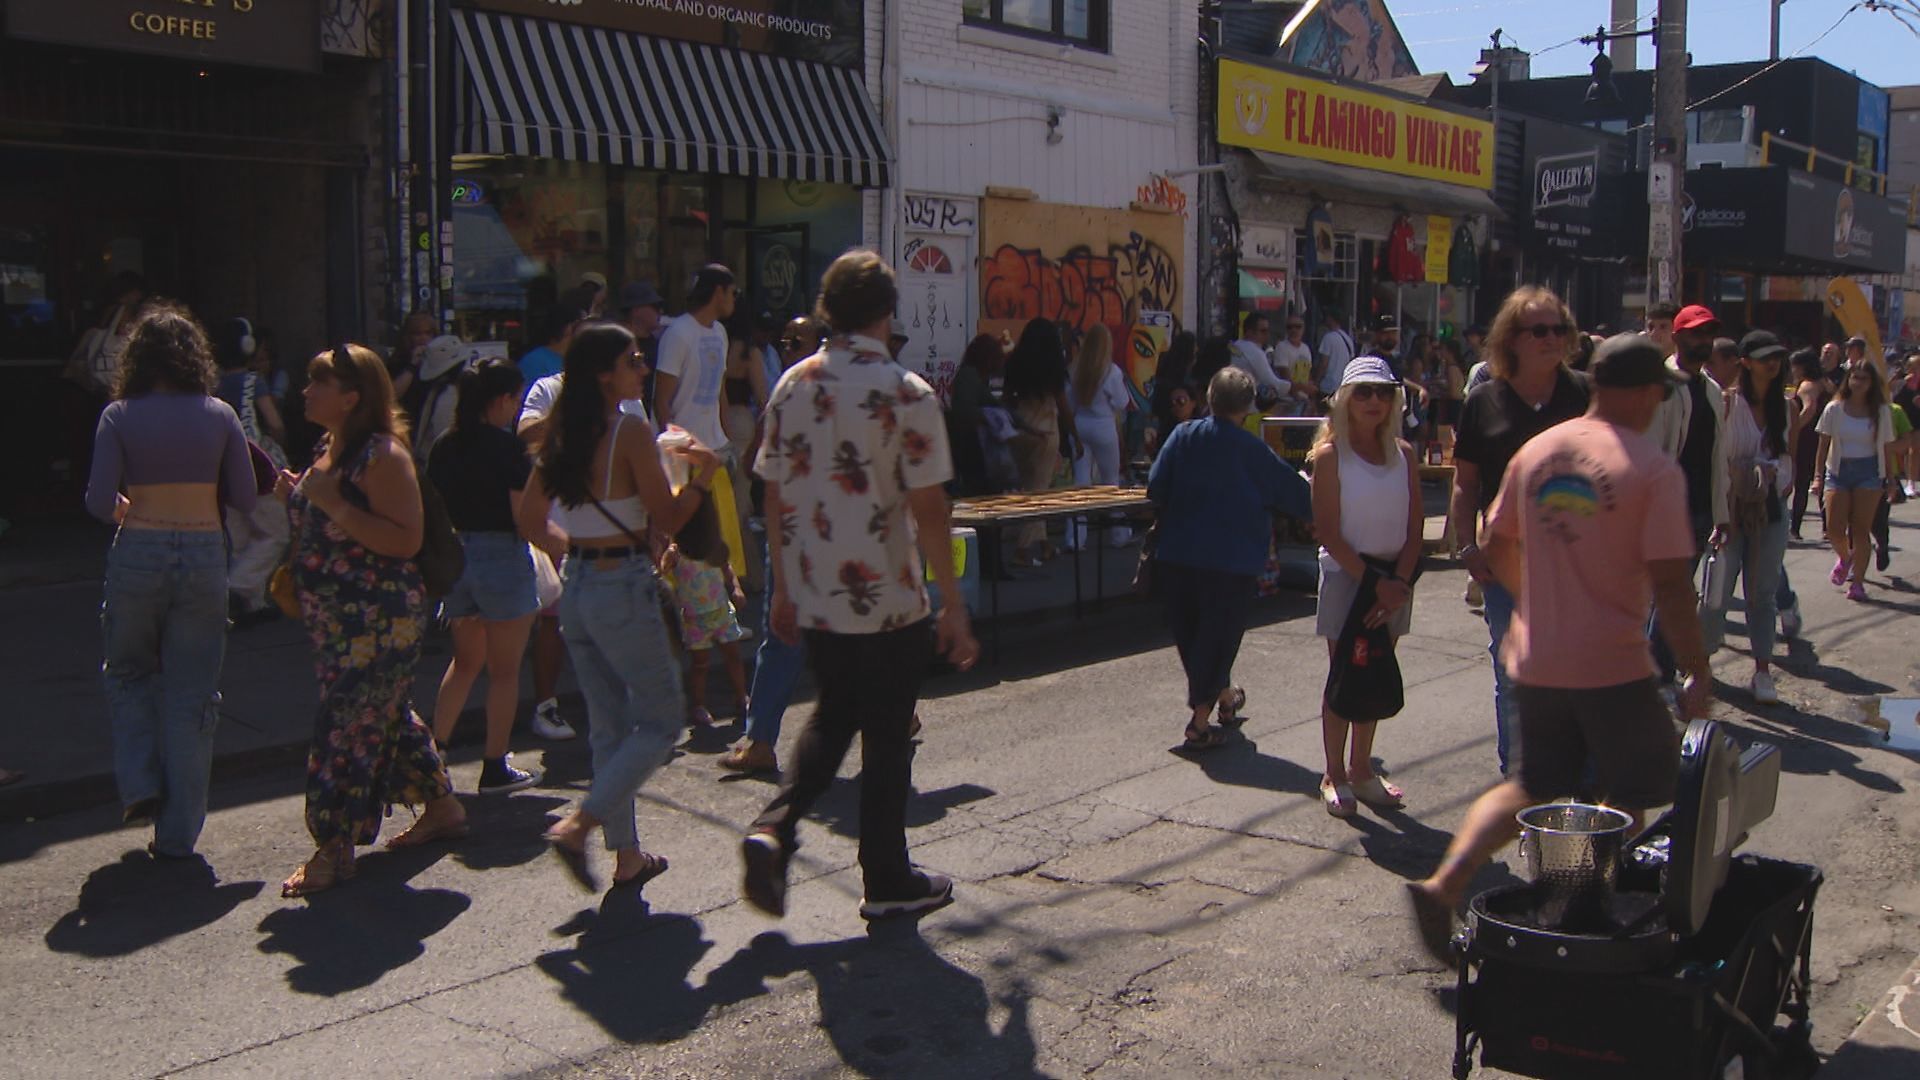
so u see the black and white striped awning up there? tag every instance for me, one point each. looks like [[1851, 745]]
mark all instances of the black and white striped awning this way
[[538, 88]]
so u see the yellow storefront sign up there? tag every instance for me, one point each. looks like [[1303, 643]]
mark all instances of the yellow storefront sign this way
[[1284, 113]]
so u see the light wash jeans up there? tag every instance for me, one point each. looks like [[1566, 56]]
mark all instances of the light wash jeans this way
[[611, 621], [776, 671], [1758, 558], [164, 623], [1506, 710]]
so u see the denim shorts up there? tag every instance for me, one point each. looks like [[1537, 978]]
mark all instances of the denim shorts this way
[[1854, 473], [497, 584]]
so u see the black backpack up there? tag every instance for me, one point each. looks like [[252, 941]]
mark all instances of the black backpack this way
[[442, 558]]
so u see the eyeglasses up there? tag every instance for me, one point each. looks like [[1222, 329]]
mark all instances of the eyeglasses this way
[[1546, 330], [1383, 391], [792, 343]]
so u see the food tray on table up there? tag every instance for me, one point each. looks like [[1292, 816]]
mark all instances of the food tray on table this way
[[993, 509]]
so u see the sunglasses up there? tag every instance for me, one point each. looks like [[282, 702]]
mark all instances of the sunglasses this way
[[792, 343], [1383, 391], [1546, 330]]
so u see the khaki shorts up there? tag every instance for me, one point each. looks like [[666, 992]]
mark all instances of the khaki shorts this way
[[1614, 743]]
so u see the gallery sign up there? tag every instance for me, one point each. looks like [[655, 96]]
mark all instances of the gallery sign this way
[[1308, 116], [258, 33], [826, 31], [1570, 169]]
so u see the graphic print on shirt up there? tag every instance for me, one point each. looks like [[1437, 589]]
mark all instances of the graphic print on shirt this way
[[1567, 491]]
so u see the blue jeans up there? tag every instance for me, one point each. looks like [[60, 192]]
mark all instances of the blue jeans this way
[[776, 671], [1506, 715], [1662, 653], [610, 618], [1758, 558], [1783, 595], [164, 622]]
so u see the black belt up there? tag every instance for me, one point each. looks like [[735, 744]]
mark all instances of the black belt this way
[[624, 552]]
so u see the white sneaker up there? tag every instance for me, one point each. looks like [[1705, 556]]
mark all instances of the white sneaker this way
[[547, 722], [1763, 689], [1790, 622]]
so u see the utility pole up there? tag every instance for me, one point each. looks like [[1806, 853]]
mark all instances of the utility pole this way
[[1666, 174], [1773, 49]]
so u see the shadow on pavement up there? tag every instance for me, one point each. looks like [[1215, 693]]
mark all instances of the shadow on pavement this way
[[1239, 762], [1810, 745], [891, 1005], [349, 936], [1865, 1062], [506, 831], [629, 969], [839, 808], [141, 901]]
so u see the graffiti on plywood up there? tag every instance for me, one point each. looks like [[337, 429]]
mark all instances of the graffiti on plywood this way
[[1079, 266]]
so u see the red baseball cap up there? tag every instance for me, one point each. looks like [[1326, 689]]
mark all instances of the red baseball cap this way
[[1695, 317]]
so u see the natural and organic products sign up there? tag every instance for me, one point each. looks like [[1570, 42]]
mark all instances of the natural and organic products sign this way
[[827, 31], [1303, 116]]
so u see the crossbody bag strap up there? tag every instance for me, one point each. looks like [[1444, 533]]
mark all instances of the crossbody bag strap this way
[[617, 523]]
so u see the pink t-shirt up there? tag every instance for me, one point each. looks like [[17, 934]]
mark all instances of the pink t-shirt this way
[[1591, 504]]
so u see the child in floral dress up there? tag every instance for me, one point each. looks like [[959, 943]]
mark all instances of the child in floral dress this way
[[705, 592]]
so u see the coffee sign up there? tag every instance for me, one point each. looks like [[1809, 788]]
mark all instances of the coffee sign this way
[[257, 33]]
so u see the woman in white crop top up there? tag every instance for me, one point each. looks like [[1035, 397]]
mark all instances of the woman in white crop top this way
[[1851, 470], [602, 469], [1366, 510]]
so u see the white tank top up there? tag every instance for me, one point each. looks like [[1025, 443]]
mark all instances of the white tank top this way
[[1373, 506], [586, 519]]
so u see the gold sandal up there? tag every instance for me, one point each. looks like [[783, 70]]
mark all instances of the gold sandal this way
[[326, 869]]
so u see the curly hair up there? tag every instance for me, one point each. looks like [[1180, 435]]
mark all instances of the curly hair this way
[[168, 349], [1506, 330]]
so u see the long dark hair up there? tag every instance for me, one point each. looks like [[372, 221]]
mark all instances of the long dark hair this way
[[580, 416], [983, 354], [166, 350], [1215, 353], [699, 539], [479, 387], [1876, 392], [1773, 407], [359, 370], [1171, 374], [1037, 366]]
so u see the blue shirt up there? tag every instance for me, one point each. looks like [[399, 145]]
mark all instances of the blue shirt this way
[[539, 363], [1217, 486]]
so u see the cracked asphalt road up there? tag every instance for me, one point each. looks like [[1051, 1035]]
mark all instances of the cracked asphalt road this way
[[1122, 910]]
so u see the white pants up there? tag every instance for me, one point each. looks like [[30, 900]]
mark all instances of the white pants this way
[[1098, 462], [259, 545]]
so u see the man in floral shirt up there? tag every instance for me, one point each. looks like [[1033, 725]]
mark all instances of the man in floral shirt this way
[[854, 459]]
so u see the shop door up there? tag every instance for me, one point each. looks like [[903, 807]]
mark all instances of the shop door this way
[[777, 274]]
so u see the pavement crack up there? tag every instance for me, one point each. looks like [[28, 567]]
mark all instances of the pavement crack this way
[[486, 1029]]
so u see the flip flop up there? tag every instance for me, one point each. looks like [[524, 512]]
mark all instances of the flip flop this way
[[1379, 794], [575, 860]]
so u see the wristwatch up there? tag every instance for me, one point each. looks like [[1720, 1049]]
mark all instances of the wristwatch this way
[[1469, 549]]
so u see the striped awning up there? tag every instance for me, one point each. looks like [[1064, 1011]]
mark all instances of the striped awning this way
[[539, 88]]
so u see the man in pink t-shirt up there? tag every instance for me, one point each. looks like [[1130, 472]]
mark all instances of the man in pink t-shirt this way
[[1590, 526]]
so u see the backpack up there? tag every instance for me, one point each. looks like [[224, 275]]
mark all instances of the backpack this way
[[442, 558]]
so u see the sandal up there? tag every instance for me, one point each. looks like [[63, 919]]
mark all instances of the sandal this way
[[1379, 794], [653, 866], [1338, 799], [749, 757], [320, 873], [1205, 739], [420, 834], [1230, 713]]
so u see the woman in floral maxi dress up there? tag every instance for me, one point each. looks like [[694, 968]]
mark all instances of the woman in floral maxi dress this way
[[357, 520]]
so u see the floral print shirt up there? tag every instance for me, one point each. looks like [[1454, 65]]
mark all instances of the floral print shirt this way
[[849, 433]]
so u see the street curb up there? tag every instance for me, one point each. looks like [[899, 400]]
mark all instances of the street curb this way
[[1886, 1045]]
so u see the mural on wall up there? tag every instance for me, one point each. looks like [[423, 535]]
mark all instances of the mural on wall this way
[[1079, 266], [1355, 39], [935, 286]]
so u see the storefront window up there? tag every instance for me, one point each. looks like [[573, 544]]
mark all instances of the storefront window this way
[[524, 231]]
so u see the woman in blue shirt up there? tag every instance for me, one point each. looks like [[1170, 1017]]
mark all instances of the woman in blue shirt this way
[[1216, 486]]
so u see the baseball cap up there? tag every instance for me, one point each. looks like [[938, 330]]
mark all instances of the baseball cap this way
[[1626, 361], [1368, 369], [1386, 322], [639, 294], [1694, 317], [1761, 345], [441, 355], [710, 277]]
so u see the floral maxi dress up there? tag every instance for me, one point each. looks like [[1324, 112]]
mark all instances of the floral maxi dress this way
[[365, 614]]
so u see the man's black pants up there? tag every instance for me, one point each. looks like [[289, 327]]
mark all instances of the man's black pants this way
[[1207, 611], [868, 686]]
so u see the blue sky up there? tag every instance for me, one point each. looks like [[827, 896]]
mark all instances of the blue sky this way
[[1447, 35]]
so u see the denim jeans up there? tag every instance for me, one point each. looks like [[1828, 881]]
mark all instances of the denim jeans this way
[[776, 671], [1757, 558], [164, 622], [610, 618], [1662, 653], [1783, 595], [1498, 608]]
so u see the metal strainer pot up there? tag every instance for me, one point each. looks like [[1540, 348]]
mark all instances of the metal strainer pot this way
[[1572, 852]]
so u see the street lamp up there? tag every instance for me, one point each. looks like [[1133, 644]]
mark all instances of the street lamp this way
[[1603, 98], [1666, 172]]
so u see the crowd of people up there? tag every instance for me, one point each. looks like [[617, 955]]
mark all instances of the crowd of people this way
[[615, 494]]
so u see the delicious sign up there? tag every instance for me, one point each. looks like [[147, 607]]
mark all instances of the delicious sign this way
[[1285, 113], [259, 33]]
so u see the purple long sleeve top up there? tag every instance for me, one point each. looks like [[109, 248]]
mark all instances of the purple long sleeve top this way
[[169, 439]]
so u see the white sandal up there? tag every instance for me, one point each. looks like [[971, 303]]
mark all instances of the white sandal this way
[[1338, 799], [1374, 792]]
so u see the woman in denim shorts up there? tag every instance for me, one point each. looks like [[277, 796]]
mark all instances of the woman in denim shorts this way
[[1852, 468], [480, 468]]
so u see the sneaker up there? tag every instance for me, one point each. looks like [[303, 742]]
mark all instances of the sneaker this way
[[1763, 689], [547, 722], [765, 882], [1790, 622], [937, 894], [1856, 591], [1839, 574], [1475, 598], [498, 776], [1908, 487]]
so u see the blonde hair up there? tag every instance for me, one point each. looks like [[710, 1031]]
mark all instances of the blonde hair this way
[[1505, 332], [1090, 364], [1337, 428]]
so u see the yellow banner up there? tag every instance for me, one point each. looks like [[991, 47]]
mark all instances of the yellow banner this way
[[1439, 247], [1284, 113]]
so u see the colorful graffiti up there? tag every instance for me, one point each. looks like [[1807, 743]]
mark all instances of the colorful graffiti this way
[[1356, 39], [1164, 193], [1082, 266]]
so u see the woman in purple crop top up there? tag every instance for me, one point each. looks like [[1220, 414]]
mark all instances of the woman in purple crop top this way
[[166, 454]]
